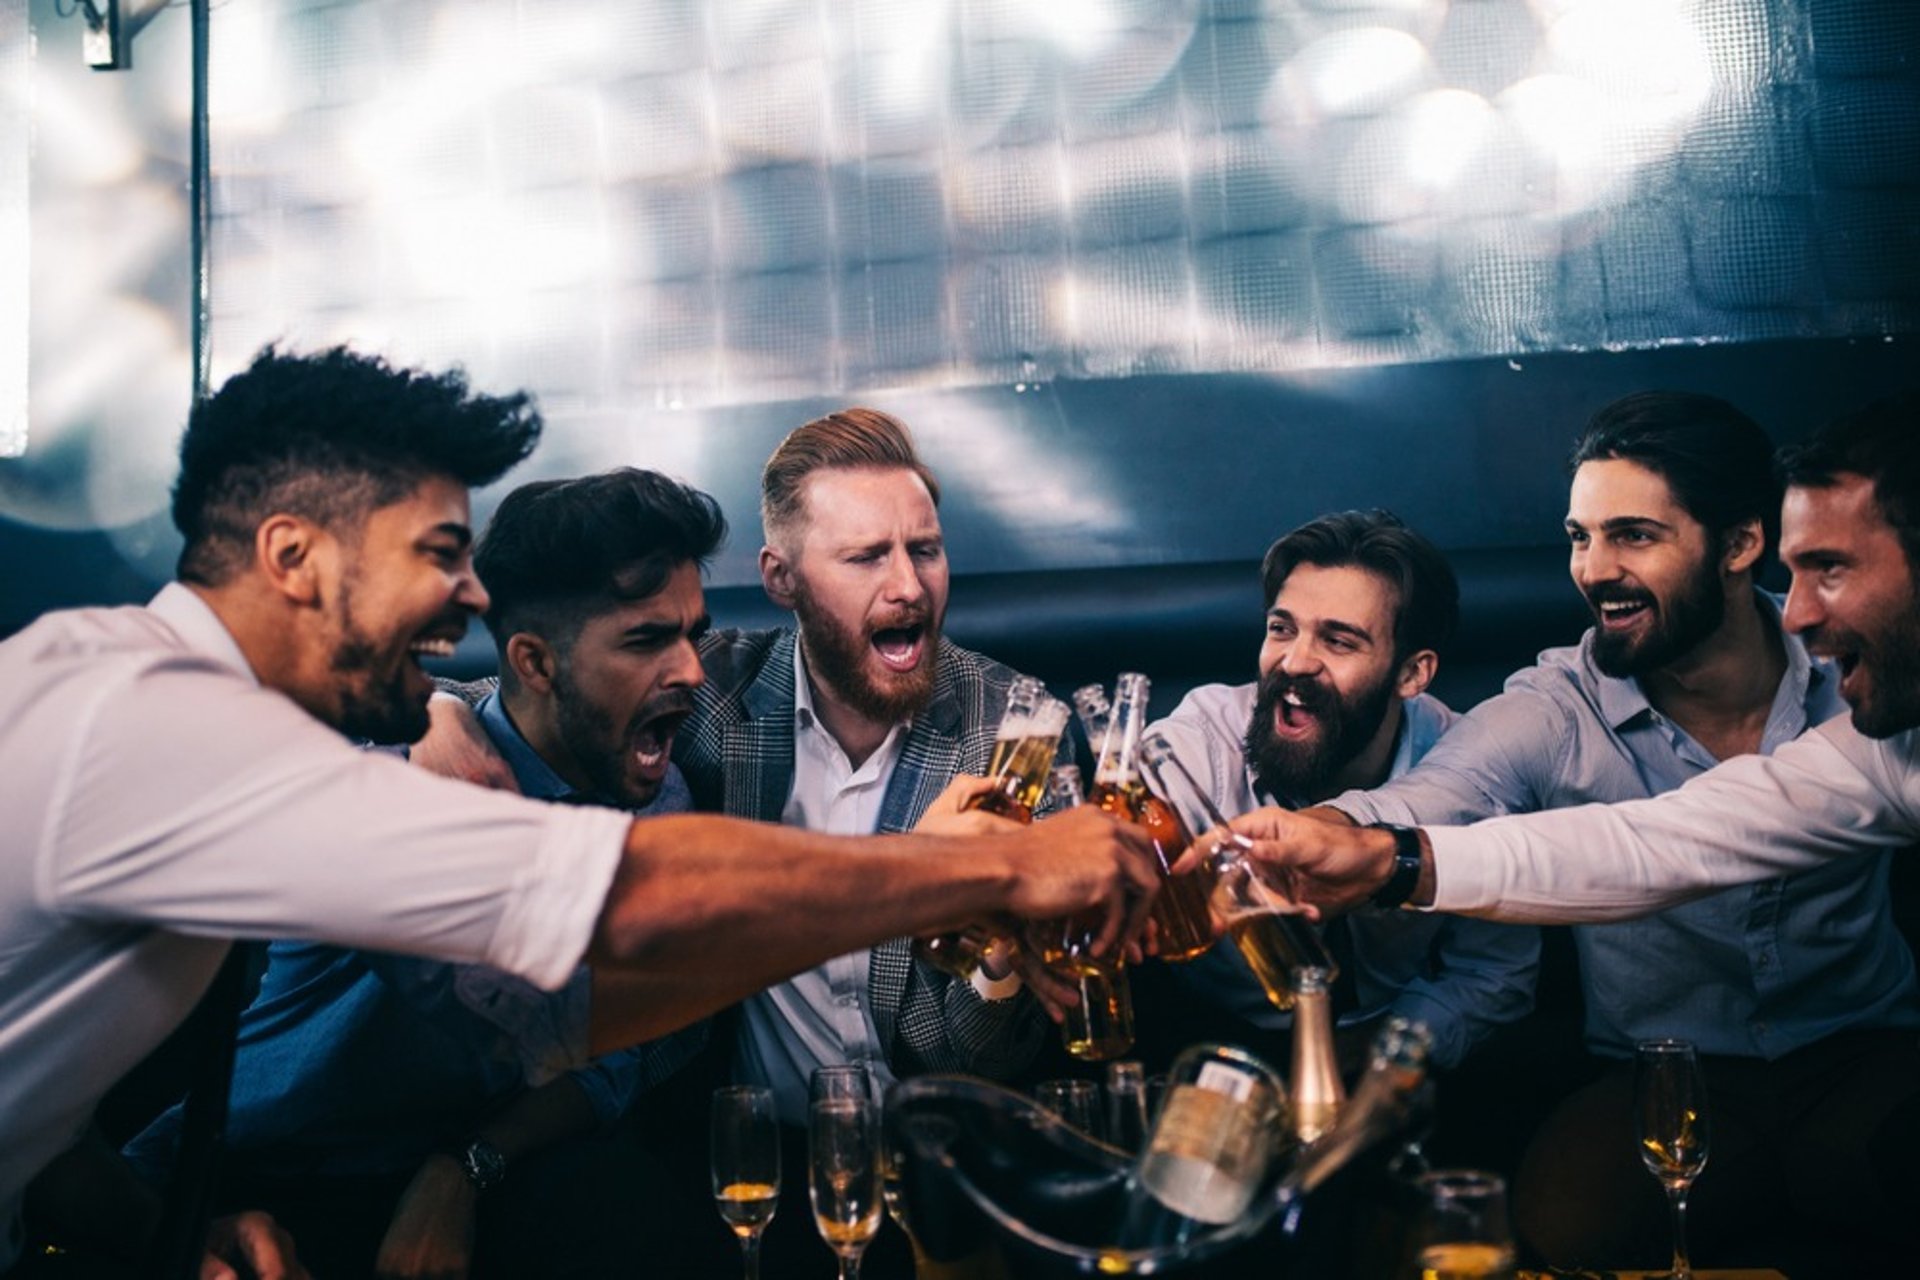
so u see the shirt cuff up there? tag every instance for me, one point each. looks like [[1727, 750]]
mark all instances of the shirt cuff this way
[[996, 989], [1462, 878]]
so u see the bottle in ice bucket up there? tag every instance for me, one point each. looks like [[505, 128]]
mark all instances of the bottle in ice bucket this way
[[1219, 1129], [1273, 938], [1023, 750], [1181, 909]]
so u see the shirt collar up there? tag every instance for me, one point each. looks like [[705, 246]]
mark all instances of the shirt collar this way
[[195, 622], [535, 776], [1621, 698]]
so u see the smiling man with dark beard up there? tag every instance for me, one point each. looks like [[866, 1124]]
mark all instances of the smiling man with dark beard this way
[[1359, 607]]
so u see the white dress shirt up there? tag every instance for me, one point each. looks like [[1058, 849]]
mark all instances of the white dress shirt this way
[[821, 1017], [158, 801], [1830, 793]]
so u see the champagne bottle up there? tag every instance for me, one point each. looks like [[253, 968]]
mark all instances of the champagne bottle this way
[[1314, 1082], [1211, 1147]]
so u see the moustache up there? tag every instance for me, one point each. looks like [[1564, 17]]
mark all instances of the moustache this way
[[901, 619], [1313, 696], [673, 702]]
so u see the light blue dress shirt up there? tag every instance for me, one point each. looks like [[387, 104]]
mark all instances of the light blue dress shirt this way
[[1754, 971], [1460, 977]]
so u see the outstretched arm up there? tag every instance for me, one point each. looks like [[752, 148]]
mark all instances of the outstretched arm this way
[[706, 910]]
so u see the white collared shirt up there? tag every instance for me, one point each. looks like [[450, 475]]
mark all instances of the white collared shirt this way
[[159, 802], [820, 1017]]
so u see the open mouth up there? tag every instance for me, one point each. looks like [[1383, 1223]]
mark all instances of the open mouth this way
[[1619, 614], [1292, 717], [900, 648], [652, 741]]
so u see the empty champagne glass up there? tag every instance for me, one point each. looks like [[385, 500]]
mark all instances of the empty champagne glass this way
[[1075, 1101], [1670, 1121], [745, 1161], [843, 1175]]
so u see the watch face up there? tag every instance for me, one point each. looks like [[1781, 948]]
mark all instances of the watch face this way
[[484, 1164]]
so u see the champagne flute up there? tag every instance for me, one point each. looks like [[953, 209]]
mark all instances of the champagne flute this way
[[1074, 1101], [843, 1176], [1670, 1114], [746, 1165], [847, 1080]]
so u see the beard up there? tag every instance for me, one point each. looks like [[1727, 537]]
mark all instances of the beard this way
[[1678, 625], [379, 709], [843, 659], [1303, 769], [1892, 660], [602, 748]]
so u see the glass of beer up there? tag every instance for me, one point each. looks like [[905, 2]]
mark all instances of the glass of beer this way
[[1463, 1233], [746, 1165]]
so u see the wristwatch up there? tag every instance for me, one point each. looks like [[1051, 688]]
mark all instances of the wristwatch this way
[[1406, 866], [483, 1164]]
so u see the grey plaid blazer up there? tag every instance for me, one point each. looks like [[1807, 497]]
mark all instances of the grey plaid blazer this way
[[737, 755]]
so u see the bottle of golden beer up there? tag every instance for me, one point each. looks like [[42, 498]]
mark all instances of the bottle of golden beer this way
[[1315, 1088], [1273, 938], [1181, 909], [1100, 1027], [1023, 750]]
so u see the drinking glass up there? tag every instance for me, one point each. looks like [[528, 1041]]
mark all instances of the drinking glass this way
[[1670, 1121], [851, 1080], [843, 1175], [746, 1165], [1126, 1094], [1074, 1101], [1462, 1232]]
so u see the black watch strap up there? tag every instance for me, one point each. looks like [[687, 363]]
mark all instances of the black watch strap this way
[[1406, 866]]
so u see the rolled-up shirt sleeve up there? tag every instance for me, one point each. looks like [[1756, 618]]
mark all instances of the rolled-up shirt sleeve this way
[[264, 823], [1827, 794]]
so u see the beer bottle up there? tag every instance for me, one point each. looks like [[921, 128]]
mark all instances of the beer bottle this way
[[1023, 749], [1273, 938], [1065, 944], [1023, 752], [1316, 1092], [1181, 909], [1100, 1027]]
